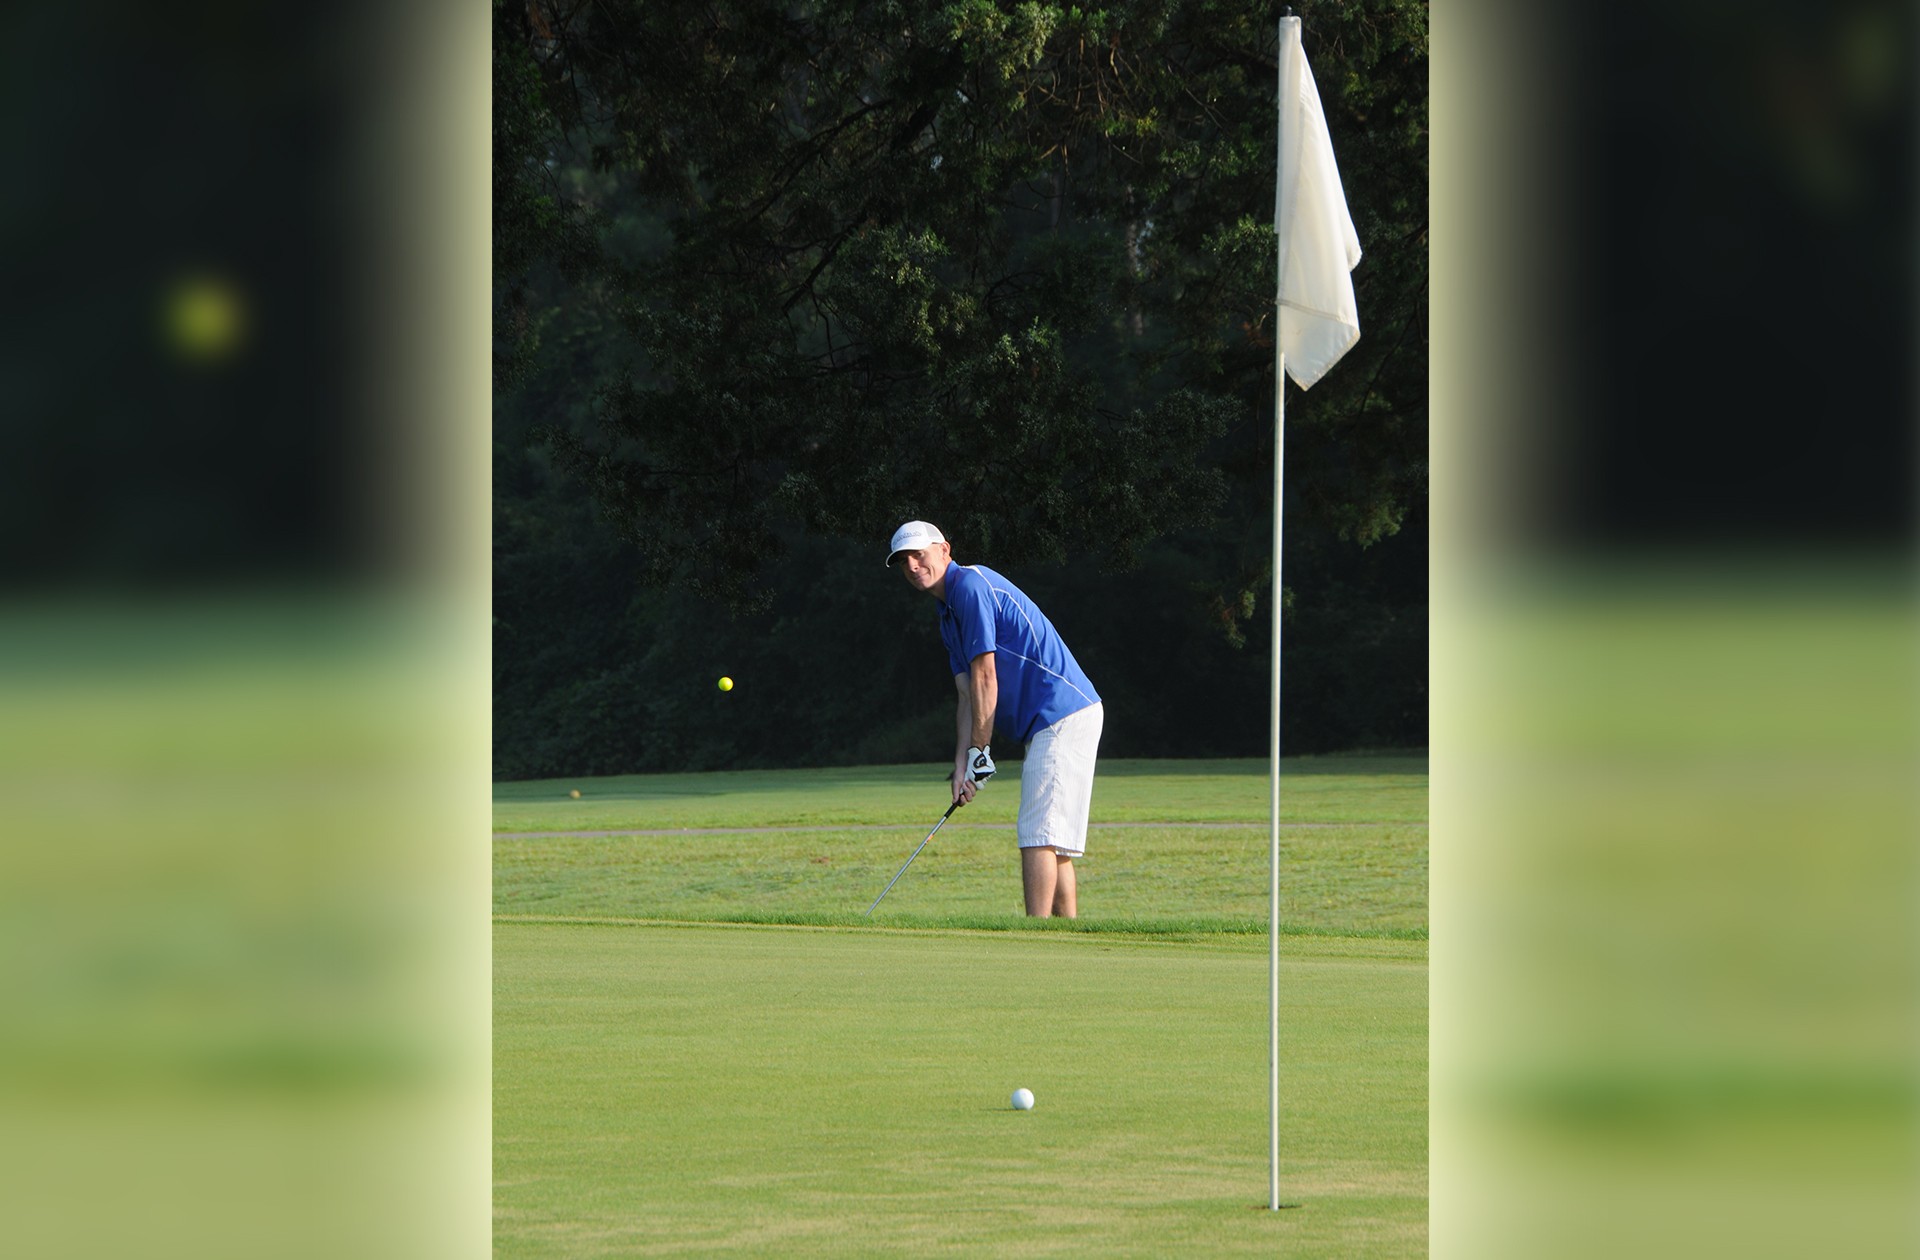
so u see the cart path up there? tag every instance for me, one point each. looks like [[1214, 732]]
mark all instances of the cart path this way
[[1006, 826]]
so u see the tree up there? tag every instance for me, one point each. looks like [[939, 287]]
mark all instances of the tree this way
[[1006, 266]]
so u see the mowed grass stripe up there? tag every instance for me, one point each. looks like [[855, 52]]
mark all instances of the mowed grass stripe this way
[[1163, 929], [1314, 789], [1361, 879], [790, 1092]]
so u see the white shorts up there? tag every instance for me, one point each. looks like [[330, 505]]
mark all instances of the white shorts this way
[[1056, 783]]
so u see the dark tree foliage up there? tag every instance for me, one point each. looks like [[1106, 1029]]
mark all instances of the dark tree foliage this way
[[769, 276], [1004, 266]]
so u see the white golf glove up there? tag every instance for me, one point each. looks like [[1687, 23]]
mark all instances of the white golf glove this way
[[980, 765]]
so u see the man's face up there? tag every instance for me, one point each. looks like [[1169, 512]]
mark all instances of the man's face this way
[[924, 568]]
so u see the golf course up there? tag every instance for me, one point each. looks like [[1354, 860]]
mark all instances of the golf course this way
[[703, 1044]]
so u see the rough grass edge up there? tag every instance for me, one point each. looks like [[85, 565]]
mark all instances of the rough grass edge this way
[[1157, 928]]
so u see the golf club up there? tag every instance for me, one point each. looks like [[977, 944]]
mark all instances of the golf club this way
[[916, 853]]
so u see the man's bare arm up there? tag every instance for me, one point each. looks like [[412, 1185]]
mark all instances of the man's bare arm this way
[[984, 689], [963, 731]]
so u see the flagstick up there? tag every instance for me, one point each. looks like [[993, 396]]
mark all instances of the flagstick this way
[[1321, 295], [1273, 742]]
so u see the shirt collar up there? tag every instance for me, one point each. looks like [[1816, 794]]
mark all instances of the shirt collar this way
[[948, 588]]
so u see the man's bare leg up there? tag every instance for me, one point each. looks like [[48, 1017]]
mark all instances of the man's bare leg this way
[[1064, 904], [1040, 876]]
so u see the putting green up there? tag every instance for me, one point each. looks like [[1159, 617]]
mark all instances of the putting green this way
[[796, 1091]]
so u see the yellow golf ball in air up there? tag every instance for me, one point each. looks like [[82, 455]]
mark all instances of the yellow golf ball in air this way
[[575, 793], [726, 684]]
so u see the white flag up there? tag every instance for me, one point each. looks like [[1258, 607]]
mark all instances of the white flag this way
[[1318, 246]]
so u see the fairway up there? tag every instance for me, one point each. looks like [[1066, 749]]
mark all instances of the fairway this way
[[701, 1046], [1316, 790], [1175, 848]]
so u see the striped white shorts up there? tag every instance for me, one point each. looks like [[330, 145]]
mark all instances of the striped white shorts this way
[[1056, 783]]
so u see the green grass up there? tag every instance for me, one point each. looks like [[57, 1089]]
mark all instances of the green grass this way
[[1314, 789], [1353, 848], [1336, 878], [676, 1074], [794, 1092]]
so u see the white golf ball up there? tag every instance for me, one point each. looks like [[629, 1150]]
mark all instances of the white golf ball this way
[[1023, 1100]]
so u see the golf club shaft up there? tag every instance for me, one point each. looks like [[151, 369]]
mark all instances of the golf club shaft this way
[[915, 854]]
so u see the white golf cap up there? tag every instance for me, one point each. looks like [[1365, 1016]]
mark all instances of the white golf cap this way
[[912, 537]]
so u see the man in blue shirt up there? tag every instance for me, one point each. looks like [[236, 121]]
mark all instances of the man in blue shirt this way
[[1013, 671]]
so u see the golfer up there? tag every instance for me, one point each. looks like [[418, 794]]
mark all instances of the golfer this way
[[1013, 671]]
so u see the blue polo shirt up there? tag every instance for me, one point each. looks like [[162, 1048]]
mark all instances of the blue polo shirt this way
[[1039, 681]]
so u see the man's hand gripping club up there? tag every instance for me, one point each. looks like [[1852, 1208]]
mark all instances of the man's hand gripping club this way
[[974, 768]]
